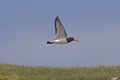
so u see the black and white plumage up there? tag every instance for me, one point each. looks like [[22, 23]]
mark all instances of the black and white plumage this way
[[61, 35]]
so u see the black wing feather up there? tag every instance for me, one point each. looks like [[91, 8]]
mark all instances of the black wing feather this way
[[59, 29]]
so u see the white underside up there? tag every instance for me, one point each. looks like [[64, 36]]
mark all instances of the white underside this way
[[60, 41]]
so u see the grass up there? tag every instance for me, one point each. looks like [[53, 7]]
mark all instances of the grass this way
[[15, 72]]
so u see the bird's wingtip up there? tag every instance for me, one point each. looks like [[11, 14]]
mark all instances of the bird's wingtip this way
[[57, 17]]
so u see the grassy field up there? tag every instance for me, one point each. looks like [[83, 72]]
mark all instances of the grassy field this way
[[15, 72]]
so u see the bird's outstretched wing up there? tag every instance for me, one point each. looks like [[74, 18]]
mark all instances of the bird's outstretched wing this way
[[59, 29]]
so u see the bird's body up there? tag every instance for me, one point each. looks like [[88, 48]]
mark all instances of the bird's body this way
[[61, 35], [58, 41]]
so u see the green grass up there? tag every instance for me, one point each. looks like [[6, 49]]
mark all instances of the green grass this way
[[15, 72]]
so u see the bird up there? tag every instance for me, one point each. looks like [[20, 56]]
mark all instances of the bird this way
[[61, 35]]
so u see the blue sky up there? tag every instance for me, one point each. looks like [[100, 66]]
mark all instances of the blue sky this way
[[26, 26]]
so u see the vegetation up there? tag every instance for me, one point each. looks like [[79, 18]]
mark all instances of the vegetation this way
[[15, 72]]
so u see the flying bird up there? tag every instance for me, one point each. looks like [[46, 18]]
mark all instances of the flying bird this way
[[61, 35]]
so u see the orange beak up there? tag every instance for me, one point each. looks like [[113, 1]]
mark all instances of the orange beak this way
[[76, 40]]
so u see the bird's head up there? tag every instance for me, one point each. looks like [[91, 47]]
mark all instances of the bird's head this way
[[72, 39]]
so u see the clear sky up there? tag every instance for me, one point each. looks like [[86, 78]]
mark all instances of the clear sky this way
[[26, 26]]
